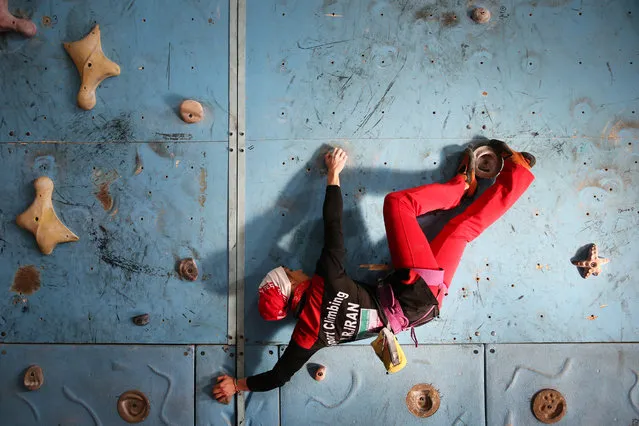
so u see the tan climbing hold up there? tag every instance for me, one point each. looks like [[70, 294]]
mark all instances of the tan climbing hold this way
[[92, 65], [33, 378], [592, 265], [40, 219], [188, 269], [320, 373], [191, 111], [8, 22], [423, 400], [549, 406], [480, 15], [133, 406]]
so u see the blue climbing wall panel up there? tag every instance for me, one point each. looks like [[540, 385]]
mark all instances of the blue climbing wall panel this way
[[599, 382], [212, 361], [163, 59], [141, 188], [402, 85], [82, 384], [124, 263], [357, 391]]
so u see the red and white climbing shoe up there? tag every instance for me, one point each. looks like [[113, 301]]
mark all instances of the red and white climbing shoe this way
[[525, 159]]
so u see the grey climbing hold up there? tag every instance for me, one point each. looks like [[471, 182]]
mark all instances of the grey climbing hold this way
[[141, 320]]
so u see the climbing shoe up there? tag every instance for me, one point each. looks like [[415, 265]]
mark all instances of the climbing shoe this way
[[467, 168], [526, 159]]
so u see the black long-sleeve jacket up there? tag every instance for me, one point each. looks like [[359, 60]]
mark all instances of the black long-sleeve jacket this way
[[336, 308]]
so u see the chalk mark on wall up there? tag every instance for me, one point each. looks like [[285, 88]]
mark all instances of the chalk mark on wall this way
[[458, 420], [509, 420], [633, 393], [381, 100], [349, 393], [166, 396], [31, 405], [315, 46], [69, 394], [564, 368], [116, 366]]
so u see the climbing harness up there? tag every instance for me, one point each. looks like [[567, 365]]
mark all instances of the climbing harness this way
[[386, 345]]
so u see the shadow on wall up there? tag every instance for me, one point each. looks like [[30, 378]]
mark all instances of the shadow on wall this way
[[302, 200]]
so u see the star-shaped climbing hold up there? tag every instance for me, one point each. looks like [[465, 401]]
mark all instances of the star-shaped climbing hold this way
[[40, 219], [92, 65], [592, 265]]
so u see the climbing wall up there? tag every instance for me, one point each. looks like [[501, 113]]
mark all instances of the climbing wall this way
[[403, 86], [83, 384], [141, 188]]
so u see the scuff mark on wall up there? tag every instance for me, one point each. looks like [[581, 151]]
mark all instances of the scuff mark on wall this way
[[161, 149], [116, 261], [22, 301], [549, 3], [203, 185], [618, 127], [103, 183], [449, 19], [26, 280], [139, 165], [168, 69], [175, 136], [425, 13], [104, 196], [118, 129], [579, 102]]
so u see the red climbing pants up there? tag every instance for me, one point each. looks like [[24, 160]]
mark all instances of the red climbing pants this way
[[408, 245]]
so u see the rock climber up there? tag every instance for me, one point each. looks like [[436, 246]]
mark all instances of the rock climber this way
[[331, 308]]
